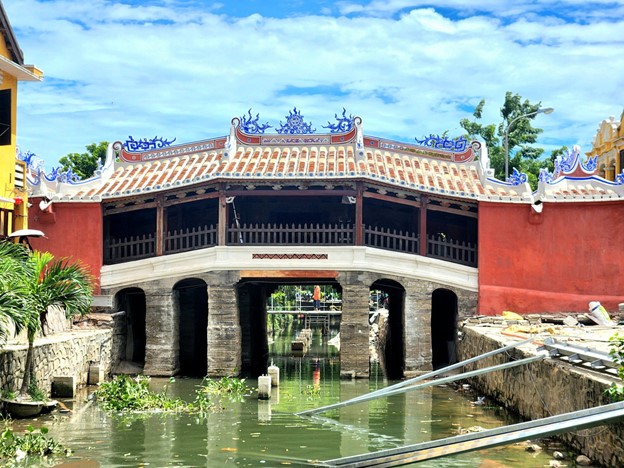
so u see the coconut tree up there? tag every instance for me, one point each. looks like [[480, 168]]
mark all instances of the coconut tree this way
[[40, 281]]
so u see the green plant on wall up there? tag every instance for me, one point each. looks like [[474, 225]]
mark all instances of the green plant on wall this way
[[616, 391], [39, 281]]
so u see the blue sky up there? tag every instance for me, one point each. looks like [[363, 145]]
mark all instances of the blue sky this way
[[184, 68]]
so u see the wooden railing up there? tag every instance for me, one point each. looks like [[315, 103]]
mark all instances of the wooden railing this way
[[387, 239], [452, 250], [129, 248], [190, 239], [134, 248], [299, 234]]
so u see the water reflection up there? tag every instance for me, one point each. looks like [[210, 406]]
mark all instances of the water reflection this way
[[266, 432]]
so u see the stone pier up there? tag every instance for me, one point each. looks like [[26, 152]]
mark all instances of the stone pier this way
[[162, 321], [417, 324], [224, 330], [354, 353]]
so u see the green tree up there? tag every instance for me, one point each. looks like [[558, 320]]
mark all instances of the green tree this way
[[85, 164], [40, 281], [521, 135]]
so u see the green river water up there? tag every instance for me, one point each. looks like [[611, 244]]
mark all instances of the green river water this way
[[259, 433]]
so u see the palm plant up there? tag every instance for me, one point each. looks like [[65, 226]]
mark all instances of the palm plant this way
[[12, 261], [40, 281]]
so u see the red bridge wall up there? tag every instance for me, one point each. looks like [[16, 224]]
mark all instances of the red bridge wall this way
[[556, 261], [72, 230]]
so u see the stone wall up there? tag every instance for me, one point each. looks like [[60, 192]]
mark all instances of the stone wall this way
[[64, 354], [542, 389]]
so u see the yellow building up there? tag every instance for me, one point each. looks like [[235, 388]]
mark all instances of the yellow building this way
[[13, 196], [608, 145]]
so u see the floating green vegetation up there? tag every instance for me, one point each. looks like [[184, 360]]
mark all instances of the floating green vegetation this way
[[16, 449], [132, 394], [616, 391], [225, 388], [125, 393]]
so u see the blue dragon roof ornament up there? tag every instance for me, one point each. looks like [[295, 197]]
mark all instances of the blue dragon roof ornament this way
[[295, 124]]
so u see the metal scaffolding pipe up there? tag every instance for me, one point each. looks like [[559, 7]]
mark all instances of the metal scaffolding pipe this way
[[552, 425], [405, 383]]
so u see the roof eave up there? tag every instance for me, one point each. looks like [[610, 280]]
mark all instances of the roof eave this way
[[7, 31], [21, 72]]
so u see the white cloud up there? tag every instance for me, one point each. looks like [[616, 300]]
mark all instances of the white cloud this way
[[114, 70]]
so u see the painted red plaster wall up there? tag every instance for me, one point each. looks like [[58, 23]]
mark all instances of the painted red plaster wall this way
[[556, 261], [72, 230]]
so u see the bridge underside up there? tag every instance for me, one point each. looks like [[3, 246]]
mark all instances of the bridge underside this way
[[214, 323]]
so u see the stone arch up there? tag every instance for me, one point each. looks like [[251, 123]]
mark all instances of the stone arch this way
[[131, 347], [191, 302], [252, 317], [392, 333], [444, 315]]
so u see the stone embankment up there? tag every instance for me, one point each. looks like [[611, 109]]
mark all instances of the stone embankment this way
[[548, 387], [66, 353]]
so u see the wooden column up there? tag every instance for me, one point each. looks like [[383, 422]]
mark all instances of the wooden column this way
[[359, 219], [222, 227], [422, 234], [160, 225]]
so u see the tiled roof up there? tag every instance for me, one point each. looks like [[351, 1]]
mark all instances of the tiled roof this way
[[282, 159], [588, 189], [279, 164]]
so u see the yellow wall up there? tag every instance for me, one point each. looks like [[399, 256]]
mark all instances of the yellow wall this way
[[8, 159], [608, 144]]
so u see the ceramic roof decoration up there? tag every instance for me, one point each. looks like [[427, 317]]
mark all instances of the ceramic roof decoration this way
[[436, 165]]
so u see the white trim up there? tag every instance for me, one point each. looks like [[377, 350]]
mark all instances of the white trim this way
[[18, 71], [197, 262]]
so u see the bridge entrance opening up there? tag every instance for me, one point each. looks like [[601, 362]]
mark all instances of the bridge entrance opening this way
[[386, 306], [192, 302], [278, 318], [443, 327], [132, 302]]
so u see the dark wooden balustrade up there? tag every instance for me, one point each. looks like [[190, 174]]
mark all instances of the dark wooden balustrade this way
[[129, 248], [190, 239], [452, 250], [299, 234], [387, 239], [134, 248]]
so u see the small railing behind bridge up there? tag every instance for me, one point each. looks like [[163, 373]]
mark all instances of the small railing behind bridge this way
[[176, 241]]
